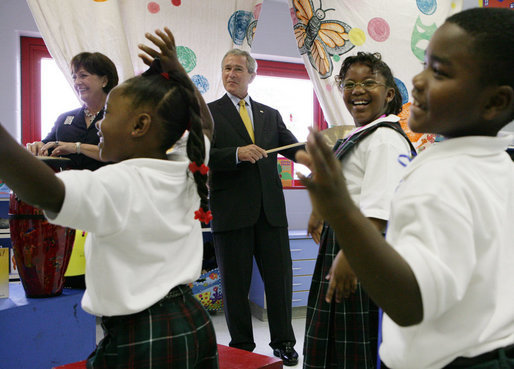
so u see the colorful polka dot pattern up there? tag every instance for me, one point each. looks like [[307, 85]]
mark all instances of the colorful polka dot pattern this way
[[186, 56], [238, 24], [378, 29], [154, 7]]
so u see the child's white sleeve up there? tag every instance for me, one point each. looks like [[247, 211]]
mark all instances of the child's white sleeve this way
[[437, 242], [94, 201]]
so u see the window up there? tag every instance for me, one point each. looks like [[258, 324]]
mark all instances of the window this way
[[287, 88], [57, 96], [284, 86], [40, 73]]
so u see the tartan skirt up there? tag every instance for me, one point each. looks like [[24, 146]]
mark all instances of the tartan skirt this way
[[175, 332], [338, 335]]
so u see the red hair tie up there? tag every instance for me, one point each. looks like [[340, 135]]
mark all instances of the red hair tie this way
[[203, 216], [165, 75], [203, 169]]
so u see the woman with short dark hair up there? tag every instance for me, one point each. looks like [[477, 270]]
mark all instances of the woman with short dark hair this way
[[74, 134]]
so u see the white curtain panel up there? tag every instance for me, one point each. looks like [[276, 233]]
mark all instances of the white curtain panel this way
[[204, 30], [327, 31]]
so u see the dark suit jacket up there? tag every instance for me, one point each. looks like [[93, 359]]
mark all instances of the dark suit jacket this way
[[238, 190]]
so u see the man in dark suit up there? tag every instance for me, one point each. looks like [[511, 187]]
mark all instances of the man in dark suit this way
[[247, 203]]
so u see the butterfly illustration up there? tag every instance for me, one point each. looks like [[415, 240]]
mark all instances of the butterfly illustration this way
[[320, 38]]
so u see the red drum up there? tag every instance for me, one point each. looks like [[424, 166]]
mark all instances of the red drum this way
[[41, 250]]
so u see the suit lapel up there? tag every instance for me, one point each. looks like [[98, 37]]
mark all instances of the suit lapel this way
[[229, 111]]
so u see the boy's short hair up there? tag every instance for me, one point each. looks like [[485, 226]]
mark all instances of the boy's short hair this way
[[493, 32]]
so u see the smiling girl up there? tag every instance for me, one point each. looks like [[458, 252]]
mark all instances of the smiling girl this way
[[343, 333]]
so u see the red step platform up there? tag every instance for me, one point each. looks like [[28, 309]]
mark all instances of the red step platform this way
[[233, 358], [229, 358]]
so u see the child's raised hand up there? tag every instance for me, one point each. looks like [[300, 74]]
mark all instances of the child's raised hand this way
[[165, 41], [168, 51], [326, 186]]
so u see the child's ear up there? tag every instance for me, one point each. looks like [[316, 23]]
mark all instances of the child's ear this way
[[500, 103], [141, 125], [390, 95]]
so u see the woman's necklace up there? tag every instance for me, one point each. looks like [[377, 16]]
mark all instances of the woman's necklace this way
[[90, 115]]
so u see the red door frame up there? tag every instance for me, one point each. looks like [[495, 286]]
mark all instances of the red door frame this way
[[33, 49]]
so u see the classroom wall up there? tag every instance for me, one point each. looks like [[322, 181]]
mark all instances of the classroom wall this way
[[15, 20], [274, 40]]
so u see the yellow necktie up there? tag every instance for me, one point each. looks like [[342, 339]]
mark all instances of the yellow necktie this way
[[246, 119]]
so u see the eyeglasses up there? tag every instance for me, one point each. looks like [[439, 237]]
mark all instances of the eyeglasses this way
[[368, 85]]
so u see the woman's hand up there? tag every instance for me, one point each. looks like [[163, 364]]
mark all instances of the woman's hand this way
[[35, 147], [47, 148], [57, 148], [64, 148], [342, 279], [314, 227]]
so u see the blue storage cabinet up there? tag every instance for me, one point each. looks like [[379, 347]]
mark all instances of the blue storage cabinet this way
[[304, 252]]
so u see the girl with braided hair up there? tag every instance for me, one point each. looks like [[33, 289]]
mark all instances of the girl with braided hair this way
[[144, 241]]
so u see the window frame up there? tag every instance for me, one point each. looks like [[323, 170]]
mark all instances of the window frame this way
[[292, 70], [297, 71]]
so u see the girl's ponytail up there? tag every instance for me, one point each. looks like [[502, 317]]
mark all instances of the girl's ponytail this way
[[173, 96]]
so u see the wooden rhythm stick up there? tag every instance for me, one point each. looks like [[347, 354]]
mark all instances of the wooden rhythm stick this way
[[331, 135], [284, 147]]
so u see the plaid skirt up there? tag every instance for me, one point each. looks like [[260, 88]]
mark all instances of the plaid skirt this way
[[176, 332], [338, 335]]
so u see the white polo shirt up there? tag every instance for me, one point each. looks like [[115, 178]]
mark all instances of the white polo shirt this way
[[372, 169], [452, 219], [143, 239]]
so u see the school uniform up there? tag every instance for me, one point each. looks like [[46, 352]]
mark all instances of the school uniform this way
[[143, 247], [452, 221], [344, 335]]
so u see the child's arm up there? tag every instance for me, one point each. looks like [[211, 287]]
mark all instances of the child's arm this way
[[342, 279], [384, 274], [30, 179], [314, 228], [170, 62]]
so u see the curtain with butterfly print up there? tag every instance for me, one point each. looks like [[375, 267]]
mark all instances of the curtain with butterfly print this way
[[204, 30], [327, 31]]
